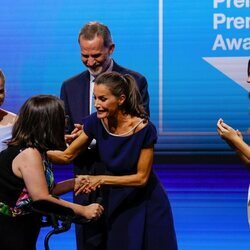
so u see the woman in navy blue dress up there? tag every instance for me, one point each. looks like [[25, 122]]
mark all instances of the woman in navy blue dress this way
[[137, 211]]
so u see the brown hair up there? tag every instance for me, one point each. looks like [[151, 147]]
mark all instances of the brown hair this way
[[40, 124], [120, 84], [92, 29]]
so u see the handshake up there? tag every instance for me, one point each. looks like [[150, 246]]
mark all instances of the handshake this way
[[87, 183]]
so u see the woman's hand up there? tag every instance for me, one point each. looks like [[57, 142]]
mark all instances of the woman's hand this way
[[74, 134], [92, 211], [87, 183], [81, 181], [226, 132]]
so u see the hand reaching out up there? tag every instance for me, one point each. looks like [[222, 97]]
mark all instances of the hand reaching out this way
[[87, 183], [226, 132], [74, 134], [81, 181], [235, 140]]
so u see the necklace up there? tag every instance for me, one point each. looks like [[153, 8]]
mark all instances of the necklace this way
[[124, 134]]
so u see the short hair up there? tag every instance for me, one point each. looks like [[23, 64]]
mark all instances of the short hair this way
[[92, 29], [2, 76], [40, 124]]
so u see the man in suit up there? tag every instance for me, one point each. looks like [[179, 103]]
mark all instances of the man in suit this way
[[96, 47]]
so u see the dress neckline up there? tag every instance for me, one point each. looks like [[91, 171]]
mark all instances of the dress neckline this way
[[124, 134]]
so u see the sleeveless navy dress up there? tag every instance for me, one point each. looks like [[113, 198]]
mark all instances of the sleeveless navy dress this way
[[136, 218]]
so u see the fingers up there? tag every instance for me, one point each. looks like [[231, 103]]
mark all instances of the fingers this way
[[93, 211], [86, 188], [97, 211], [87, 184], [78, 128], [74, 134], [219, 124], [81, 181], [222, 127], [220, 121], [69, 138]]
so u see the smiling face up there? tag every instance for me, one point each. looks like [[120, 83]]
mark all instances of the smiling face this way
[[94, 55], [107, 105]]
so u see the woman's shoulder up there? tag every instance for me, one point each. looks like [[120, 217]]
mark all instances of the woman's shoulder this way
[[30, 154], [90, 118], [150, 134], [146, 125], [7, 118], [152, 126], [91, 121]]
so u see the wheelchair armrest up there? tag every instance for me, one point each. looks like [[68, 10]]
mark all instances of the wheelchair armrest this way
[[46, 207], [51, 209]]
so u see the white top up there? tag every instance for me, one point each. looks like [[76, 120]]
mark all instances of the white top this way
[[6, 125], [5, 134]]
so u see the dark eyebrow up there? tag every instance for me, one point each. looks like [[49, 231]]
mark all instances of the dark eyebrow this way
[[102, 96], [94, 55]]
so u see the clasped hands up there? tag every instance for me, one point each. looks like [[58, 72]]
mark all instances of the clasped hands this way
[[226, 132], [87, 183]]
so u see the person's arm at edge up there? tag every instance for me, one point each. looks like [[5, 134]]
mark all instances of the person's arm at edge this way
[[242, 149], [235, 140]]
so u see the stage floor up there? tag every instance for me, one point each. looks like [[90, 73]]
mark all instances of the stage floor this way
[[209, 203]]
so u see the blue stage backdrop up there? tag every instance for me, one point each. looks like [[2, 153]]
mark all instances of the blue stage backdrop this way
[[193, 53]]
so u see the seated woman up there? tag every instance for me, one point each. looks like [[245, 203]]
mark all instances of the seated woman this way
[[137, 211], [7, 118], [26, 174]]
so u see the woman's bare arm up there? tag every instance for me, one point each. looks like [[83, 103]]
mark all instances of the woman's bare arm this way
[[140, 178], [69, 154], [28, 166], [235, 140]]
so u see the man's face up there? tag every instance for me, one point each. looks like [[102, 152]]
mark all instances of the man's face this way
[[94, 55], [2, 91]]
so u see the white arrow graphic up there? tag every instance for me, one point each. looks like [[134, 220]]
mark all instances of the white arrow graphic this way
[[234, 68]]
